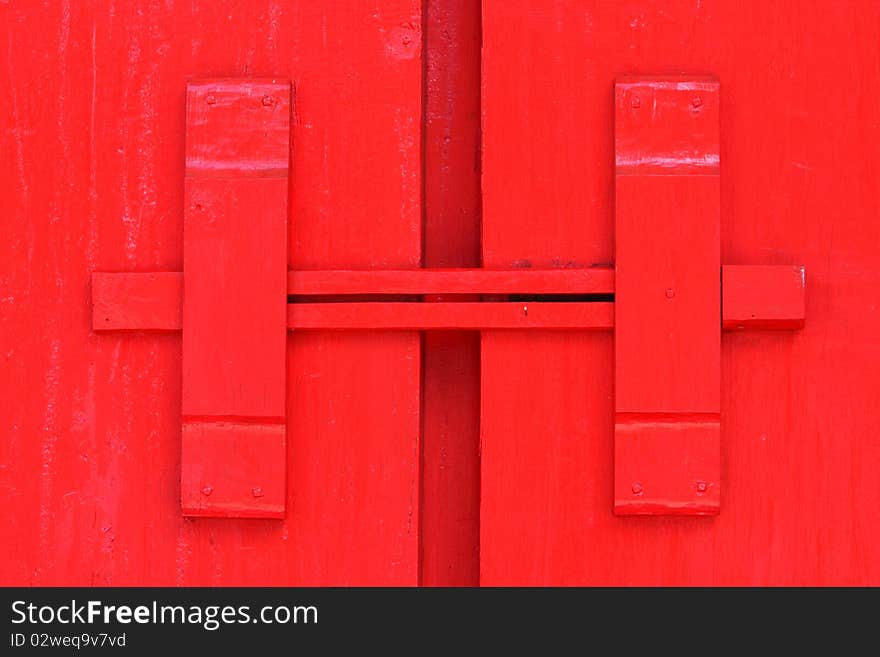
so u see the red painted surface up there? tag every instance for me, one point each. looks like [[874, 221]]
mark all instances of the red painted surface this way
[[451, 315], [438, 281], [667, 337], [232, 468], [92, 112], [451, 238], [768, 297], [93, 182], [799, 409], [763, 297], [138, 302], [235, 298]]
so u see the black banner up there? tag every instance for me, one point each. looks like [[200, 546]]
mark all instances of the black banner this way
[[135, 620]]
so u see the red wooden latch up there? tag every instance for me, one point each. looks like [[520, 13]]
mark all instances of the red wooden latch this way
[[671, 297], [668, 261], [235, 298]]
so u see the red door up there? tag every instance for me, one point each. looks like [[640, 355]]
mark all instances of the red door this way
[[645, 355], [95, 129], [573, 173]]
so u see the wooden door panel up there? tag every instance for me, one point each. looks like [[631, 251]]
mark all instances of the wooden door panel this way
[[798, 410], [92, 141], [92, 118]]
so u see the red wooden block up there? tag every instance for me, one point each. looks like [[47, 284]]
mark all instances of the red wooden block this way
[[234, 470], [235, 293], [667, 464], [764, 297], [668, 296], [237, 128]]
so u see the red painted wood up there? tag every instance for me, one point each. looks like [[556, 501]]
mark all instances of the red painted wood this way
[[450, 494], [767, 297], [354, 398], [667, 464], [667, 338], [241, 465], [799, 409], [139, 302], [594, 280], [237, 128], [451, 315], [666, 125], [93, 125], [235, 294], [764, 297]]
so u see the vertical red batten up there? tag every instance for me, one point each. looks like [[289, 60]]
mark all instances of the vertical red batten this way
[[451, 238]]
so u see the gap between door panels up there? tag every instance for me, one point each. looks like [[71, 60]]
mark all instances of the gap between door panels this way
[[451, 223]]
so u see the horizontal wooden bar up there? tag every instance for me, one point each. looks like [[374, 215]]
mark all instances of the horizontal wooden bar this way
[[450, 315], [591, 280], [752, 297], [763, 297]]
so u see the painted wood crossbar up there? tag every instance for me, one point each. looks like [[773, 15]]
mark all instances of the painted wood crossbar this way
[[769, 297]]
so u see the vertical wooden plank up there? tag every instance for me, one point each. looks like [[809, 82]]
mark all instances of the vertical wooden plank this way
[[667, 335], [451, 413], [545, 395], [235, 298], [353, 515]]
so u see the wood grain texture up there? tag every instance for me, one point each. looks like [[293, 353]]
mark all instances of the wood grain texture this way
[[92, 116], [799, 409]]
